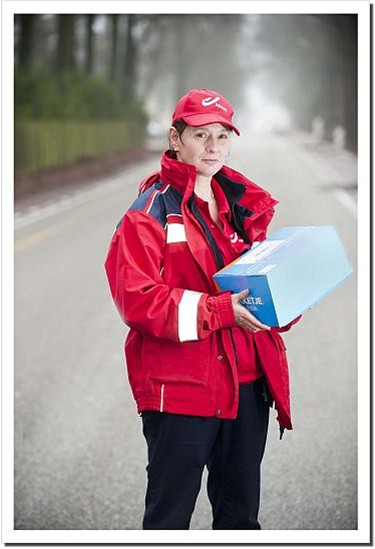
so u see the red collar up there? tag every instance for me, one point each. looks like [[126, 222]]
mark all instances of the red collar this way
[[182, 176], [177, 174], [235, 186]]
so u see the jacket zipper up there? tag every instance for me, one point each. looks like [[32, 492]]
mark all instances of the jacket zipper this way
[[162, 398], [218, 258], [216, 252], [234, 347]]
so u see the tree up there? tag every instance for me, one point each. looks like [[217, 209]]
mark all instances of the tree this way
[[26, 40], [90, 19], [181, 51], [130, 59], [313, 60], [113, 23], [65, 57]]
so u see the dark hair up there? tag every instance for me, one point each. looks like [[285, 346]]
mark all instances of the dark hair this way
[[180, 126]]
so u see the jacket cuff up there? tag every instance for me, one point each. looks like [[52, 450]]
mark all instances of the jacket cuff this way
[[288, 326], [221, 304]]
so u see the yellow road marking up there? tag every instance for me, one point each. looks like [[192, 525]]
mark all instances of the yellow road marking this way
[[39, 236], [57, 228]]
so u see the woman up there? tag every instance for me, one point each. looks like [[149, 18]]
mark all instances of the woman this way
[[203, 370]]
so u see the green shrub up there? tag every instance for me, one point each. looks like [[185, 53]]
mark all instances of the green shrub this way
[[61, 118], [41, 94]]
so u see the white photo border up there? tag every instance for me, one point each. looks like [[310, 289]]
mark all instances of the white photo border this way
[[326, 537]]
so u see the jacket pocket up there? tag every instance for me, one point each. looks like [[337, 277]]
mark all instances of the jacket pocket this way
[[133, 345], [173, 362]]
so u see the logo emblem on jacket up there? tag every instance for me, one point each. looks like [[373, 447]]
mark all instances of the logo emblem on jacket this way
[[235, 238]]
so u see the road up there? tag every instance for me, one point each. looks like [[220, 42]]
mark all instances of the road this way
[[79, 452]]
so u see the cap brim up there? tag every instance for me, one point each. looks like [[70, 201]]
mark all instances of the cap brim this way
[[209, 118]]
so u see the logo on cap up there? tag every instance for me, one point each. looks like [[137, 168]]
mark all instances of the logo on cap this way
[[208, 101]]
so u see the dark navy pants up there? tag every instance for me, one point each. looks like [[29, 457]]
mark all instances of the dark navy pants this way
[[180, 446]]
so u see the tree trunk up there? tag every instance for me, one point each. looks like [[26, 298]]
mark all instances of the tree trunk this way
[[129, 84], [114, 47], [65, 42], [350, 80], [27, 37], [182, 59], [89, 43]]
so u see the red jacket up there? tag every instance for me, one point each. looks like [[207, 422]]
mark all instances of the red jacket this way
[[159, 266]]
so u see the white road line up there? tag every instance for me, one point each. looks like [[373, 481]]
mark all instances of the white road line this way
[[328, 174], [49, 209], [323, 171], [34, 214], [347, 201]]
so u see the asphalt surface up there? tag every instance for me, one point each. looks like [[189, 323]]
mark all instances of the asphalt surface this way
[[80, 456]]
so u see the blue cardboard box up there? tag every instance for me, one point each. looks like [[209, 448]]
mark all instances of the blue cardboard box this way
[[294, 269]]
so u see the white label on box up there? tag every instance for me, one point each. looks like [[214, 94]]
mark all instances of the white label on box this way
[[266, 269], [252, 300], [260, 252]]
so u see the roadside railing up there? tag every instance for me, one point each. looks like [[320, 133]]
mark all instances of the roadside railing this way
[[45, 144]]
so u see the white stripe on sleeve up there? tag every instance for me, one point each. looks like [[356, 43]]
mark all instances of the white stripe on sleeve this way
[[175, 233], [188, 316]]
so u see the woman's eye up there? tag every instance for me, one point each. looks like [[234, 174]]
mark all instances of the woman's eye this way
[[223, 136], [201, 134]]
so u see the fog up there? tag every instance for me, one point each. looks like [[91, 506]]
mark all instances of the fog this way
[[279, 71]]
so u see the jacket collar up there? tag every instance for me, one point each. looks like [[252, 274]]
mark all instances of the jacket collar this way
[[236, 186], [182, 177], [179, 175]]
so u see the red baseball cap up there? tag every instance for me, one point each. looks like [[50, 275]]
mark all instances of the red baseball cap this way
[[202, 106]]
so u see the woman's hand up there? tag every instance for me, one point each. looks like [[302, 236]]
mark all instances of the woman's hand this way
[[244, 318]]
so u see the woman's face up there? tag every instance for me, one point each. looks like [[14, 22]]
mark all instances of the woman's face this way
[[205, 147]]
